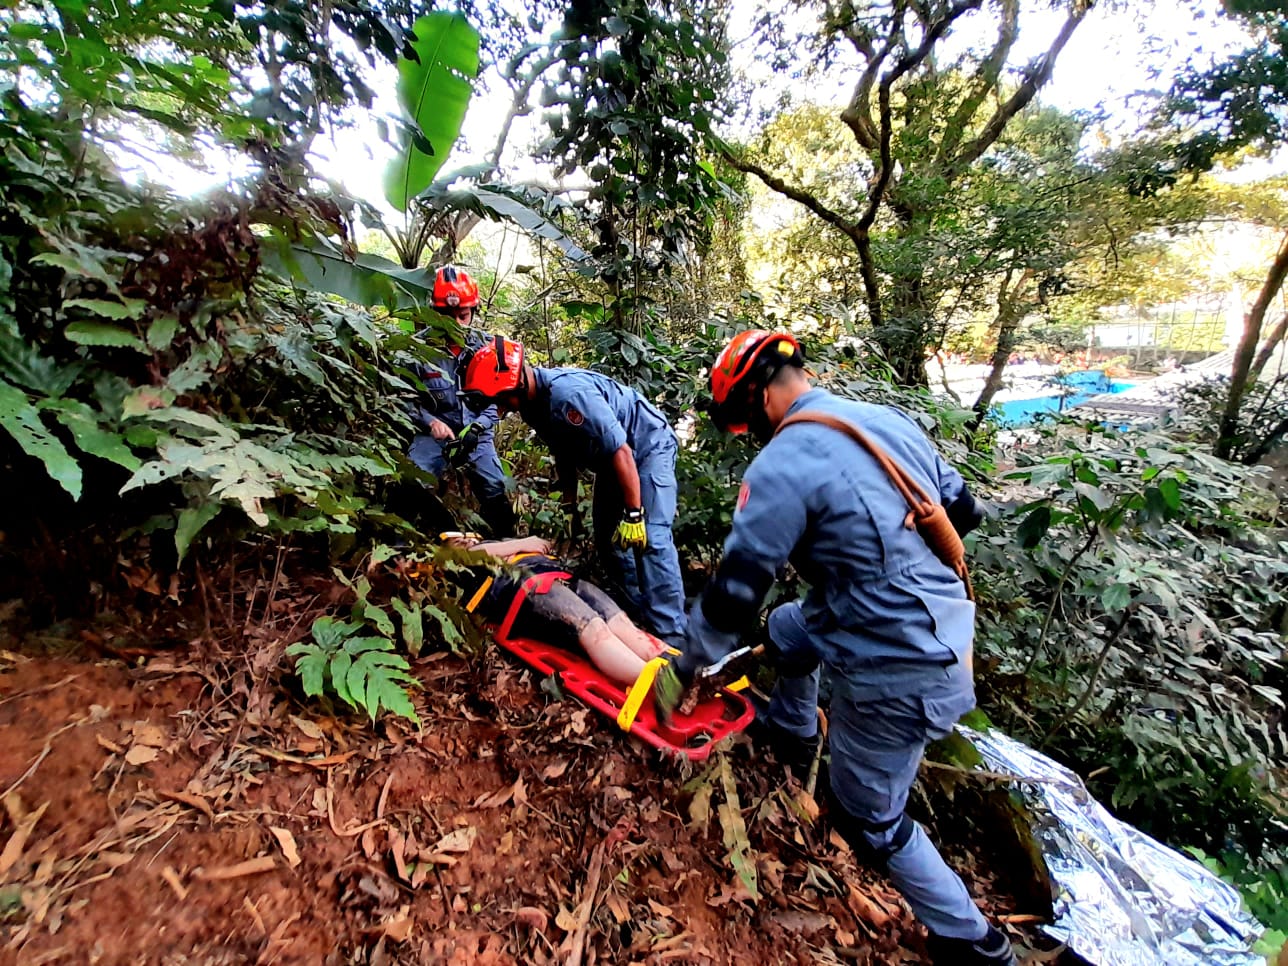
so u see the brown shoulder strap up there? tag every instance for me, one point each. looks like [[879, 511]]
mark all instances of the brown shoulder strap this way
[[926, 515]]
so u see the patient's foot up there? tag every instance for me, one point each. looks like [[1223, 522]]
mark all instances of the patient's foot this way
[[644, 646]]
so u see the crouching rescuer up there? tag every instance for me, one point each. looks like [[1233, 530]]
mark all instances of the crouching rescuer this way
[[857, 498]]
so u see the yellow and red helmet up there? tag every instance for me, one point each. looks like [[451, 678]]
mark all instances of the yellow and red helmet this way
[[745, 366], [455, 289], [494, 368]]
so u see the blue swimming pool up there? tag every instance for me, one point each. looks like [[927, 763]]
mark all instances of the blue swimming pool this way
[[1066, 392]]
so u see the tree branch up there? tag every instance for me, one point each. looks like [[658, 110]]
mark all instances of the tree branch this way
[[1268, 347], [1035, 77], [885, 166], [799, 195], [906, 63], [1242, 366], [985, 79], [857, 115]]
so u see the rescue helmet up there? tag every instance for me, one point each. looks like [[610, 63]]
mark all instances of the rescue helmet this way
[[743, 368], [455, 289], [494, 368]]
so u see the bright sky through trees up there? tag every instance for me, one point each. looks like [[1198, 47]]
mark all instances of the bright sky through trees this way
[[1114, 65]]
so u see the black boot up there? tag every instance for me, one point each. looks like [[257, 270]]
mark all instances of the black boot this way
[[788, 748], [498, 514], [993, 950]]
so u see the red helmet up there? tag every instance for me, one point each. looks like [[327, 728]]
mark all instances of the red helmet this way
[[494, 368], [454, 289], [745, 366]]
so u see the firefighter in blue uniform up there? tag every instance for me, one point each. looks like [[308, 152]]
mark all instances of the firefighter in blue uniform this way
[[591, 422], [893, 623], [448, 430]]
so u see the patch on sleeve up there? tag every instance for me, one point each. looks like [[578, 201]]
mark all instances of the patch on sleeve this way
[[744, 494], [574, 416]]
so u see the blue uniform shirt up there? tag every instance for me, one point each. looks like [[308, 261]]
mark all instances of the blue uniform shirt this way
[[441, 398], [880, 608], [585, 417]]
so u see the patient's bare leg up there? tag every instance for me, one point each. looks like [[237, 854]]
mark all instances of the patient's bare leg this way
[[609, 653], [640, 643], [562, 610], [621, 625]]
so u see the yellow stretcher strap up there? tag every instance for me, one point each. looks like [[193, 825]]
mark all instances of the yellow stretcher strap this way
[[478, 595], [638, 692]]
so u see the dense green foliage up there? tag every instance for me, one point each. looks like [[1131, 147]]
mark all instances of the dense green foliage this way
[[201, 377]]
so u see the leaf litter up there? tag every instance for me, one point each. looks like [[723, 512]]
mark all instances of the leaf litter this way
[[511, 828]]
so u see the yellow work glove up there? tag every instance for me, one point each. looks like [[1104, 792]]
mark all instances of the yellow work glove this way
[[630, 533]]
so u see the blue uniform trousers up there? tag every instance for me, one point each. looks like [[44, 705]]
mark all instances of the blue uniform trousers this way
[[876, 747], [658, 591], [483, 469]]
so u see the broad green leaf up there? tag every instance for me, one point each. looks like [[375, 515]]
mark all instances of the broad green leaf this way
[[399, 702], [451, 634], [364, 280], [361, 645], [377, 679], [1034, 527], [100, 333], [191, 520], [161, 333], [413, 629], [195, 371], [434, 91], [501, 204], [310, 666], [89, 436], [84, 261], [339, 668], [330, 632], [21, 420], [22, 364], [125, 309], [1049, 472], [1115, 598], [378, 617], [188, 417], [1171, 492]]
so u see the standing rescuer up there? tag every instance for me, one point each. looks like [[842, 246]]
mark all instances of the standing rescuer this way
[[448, 430], [893, 622], [590, 421]]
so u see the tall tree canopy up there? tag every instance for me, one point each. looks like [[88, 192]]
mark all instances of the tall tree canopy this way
[[922, 117]]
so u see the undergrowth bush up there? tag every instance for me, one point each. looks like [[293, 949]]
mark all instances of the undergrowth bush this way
[[144, 346], [1132, 604]]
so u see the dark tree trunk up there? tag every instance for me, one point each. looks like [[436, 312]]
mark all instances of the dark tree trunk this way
[[1010, 310], [1228, 436]]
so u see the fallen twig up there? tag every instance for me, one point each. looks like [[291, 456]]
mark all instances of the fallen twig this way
[[44, 753], [265, 863], [587, 903], [587, 907], [44, 687], [812, 781]]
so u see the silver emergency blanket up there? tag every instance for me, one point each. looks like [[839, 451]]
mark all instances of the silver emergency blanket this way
[[1121, 898]]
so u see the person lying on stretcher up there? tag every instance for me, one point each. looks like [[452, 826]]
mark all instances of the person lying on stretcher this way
[[573, 614]]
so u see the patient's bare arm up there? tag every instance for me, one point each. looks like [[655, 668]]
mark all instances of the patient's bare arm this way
[[506, 548]]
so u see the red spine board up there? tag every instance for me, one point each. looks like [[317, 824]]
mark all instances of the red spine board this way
[[693, 735]]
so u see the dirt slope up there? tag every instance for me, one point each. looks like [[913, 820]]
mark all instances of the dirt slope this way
[[186, 807]]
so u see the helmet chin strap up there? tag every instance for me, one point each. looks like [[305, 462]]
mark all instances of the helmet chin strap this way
[[758, 424]]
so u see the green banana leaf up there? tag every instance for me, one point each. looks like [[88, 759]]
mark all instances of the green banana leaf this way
[[434, 91], [320, 265], [521, 207]]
